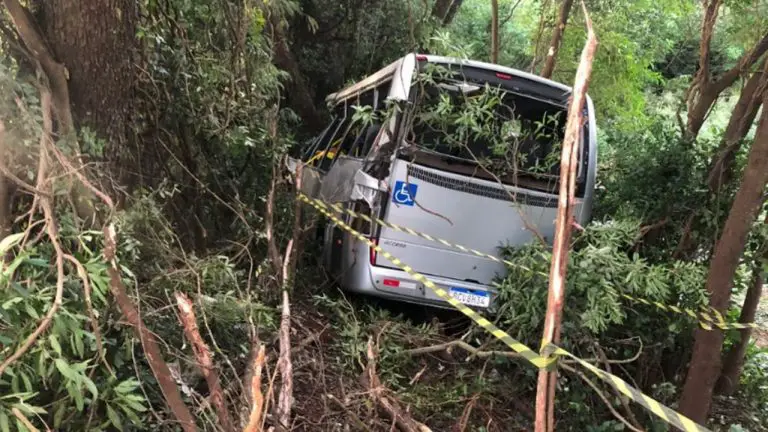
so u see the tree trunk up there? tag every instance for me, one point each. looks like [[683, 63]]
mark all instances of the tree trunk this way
[[741, 120], [297, 90], [440, 9], [734, 360], [95, 41], [455, 4], [494, 31], [557, 38], [445, 10], [704, 368], [704, 91]]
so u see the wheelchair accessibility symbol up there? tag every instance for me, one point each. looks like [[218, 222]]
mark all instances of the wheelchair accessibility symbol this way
[[404, 193]]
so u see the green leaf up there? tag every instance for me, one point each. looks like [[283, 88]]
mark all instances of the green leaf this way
[[38, 262], [29, 409], [54, 340], [10, 241], [91, 387], [4, 426], [67, 370], [134, 405], [126, 386], [20, 289], [114, 417], [78, 396]]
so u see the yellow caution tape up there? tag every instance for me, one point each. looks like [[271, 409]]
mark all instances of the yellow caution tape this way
[[705, 319], [372, 220], [542, 362], [515, 345], [708, 319], [665, 413]]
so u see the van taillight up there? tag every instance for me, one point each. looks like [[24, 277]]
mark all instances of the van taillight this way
[[503, 76], [373, 251], [391, 282]]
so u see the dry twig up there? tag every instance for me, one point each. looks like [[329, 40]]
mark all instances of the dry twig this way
[[24, 420], [257, 398], [602, 396]]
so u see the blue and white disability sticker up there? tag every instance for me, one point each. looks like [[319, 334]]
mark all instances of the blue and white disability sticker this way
[[404, 193]]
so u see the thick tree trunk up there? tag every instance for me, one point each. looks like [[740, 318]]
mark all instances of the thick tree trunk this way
[[704, 368], [455, 4], [440, 9], [445, 10], [494, 31], [95, 41], [297, 90], [734, 360], [557, 38]]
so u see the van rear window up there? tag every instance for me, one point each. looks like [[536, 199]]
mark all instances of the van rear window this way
[[504, 133]]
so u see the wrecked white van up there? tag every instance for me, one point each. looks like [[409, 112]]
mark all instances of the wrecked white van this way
[[461, 150]]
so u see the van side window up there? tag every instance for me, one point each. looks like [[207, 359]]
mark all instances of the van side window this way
[[311, 146], [323, 149]]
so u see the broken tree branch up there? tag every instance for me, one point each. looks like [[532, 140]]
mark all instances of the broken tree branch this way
[[603, 397], [400, 417], [448, 346], [204, 360], [148, 342], [43, 183], [545, 392], [257, 398]]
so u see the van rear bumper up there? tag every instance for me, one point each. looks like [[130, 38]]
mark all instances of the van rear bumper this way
[[359, 275]]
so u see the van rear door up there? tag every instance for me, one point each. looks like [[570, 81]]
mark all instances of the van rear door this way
[[475, 213]]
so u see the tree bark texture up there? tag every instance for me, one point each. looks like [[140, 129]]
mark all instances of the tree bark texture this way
[[734, 359], [557, 38], [445, 10], [204, 360], [96, 42], [705, 365], [742, 117], [545, 391], [440, 9], [494, 31]]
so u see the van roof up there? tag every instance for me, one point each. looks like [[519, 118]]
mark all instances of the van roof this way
[[386, 72]]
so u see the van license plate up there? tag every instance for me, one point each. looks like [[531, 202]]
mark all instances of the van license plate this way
[[471, 297]]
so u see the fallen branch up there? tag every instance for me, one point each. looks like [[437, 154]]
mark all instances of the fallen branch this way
[[83, 274], [257, 398], [355, 418], [204, 360], [400, 417], [623, 399], [288, 270], [148, 342], [448, 346], [52, 230]]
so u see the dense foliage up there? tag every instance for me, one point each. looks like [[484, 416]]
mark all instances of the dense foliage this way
[[222, 92]]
